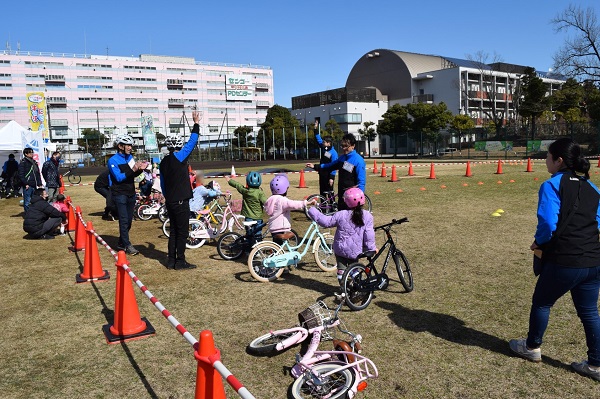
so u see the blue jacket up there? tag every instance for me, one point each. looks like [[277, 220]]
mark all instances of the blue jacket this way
[[352, 168], [327, 156], [122, 176]]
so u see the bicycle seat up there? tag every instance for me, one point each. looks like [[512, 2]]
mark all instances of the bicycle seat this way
[[286, 235], [249, 223], [367, 254], [203, 211]]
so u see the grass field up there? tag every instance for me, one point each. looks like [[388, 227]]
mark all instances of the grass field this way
[[446, 339]]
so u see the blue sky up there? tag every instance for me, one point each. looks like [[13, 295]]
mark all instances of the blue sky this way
[[310, 45]]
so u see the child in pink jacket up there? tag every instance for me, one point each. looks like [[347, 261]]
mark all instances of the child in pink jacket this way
[[278, 208]]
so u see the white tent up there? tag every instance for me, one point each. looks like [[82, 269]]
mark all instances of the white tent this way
[[10, 141]]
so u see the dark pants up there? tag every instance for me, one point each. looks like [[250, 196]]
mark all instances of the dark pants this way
[[110, 205], [179, 215], [49, 226], [146, 188], [324, 185], [125, 205]]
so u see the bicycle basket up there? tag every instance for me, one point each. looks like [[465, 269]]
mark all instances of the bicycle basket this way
[[314, 316], [236, 205]]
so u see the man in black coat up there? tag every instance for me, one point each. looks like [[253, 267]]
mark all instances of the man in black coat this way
[[30, 176], [42, 219]]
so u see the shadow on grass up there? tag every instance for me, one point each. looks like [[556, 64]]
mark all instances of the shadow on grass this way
[[451, 329]]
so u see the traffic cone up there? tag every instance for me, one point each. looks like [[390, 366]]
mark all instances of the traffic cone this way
[[233, 171], [394, 177], [92, 267], [302, 183], [598, 163], [375, 166], [70, 216], [209, 384], [411, 172], [432, 172], [468, 172], [127, 324], [383, 174], [61, 189], [529, 167], [80, 234], [499, 170]]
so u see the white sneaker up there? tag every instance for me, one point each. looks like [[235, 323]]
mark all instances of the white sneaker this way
[[519, 347]]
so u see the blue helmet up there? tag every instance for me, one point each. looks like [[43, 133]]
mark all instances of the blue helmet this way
[[253, 179]]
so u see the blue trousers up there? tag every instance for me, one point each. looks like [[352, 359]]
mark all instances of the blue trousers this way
[[27, 193], [125, 205], [553, 283]]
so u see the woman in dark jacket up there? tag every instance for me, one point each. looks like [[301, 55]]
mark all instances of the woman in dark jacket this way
[[42, 219]]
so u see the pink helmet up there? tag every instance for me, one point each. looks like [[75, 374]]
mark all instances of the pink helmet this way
[[279, 185], [354, 197]]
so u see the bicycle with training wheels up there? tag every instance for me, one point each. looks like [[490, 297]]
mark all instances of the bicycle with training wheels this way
[[339, 373], [360, 281], [268, 259], [73, 177], [328, 203]]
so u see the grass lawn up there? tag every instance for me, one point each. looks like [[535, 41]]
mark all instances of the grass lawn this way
[[446, 339]]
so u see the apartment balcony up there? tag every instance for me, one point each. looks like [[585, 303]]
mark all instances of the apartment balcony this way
[[423, 98], [176, 103], [57, 102], [174, 84], [262, 86], [262, 104], [54, 80]]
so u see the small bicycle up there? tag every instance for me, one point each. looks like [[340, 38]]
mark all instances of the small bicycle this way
[[72, 176], [339, 373], [328, 203], [268, 259], [360, 281]]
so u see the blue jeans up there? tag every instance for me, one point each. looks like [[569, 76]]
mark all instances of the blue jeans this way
[[125, 205], [553, 283], [27, 193]]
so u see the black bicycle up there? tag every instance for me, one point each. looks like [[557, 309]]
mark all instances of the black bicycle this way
[[72, 176], [360, 281], [328, 203]]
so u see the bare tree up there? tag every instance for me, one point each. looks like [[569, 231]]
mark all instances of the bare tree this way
[[579, 57]]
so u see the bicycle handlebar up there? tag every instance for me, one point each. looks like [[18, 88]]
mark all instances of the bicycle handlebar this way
[[393, 222]]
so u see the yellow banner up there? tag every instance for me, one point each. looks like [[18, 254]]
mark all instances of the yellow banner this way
[[36, 108]]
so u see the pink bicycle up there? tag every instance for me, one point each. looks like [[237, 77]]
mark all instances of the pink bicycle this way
[[339, 373]]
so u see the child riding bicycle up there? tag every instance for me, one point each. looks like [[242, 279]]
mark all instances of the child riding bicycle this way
[[253, 197], [354, 234]]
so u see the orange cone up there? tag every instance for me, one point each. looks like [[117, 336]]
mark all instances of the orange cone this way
[[529, 168], [598, 163], [233, 171], [383, 174], [375, 166], [394, 177], [209, 384], [127, 324], [71, 223], [411, 172], [92, 267], [468, 172], [61, 189], [499, 170], [80, 234], [302, 183], [432, 172]]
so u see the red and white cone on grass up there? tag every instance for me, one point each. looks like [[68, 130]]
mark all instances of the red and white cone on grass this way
[[529, 166], [92, 267], [71, 221], [233, 171], [499, 170], [383, 172], [80, 234], [411, 172], [209, 383], [468, 172], [432, 172], [394, 177], [302, 183]]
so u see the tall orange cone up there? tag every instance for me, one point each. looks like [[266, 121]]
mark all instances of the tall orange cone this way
[[375, 166], [209, 384], [233, 171], [432, 172], [468, 172], [383, 173], [529, 167], [80, 234], [71, 222], [302, 183], [127, 324], [499, 170], [61, 189], [92, 267], [394, 177], [411, 172]]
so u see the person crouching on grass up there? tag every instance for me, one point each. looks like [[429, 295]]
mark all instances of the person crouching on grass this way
[[42, 219]]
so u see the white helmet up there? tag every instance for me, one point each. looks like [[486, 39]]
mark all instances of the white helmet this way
[[124, 138], [174, 143]]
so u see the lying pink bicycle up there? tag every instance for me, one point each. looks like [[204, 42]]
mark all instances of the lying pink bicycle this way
[[339, 373]]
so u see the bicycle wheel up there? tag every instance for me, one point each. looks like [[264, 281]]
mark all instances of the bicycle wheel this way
[[323, 252], [355, 276], [265, 344], [196, 231], [261, 251], [313, 385], [321, 204], [230, 246], [403, 269], [162, 213], [74, 179], [368, 205], [143, 212], [166, 227]]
